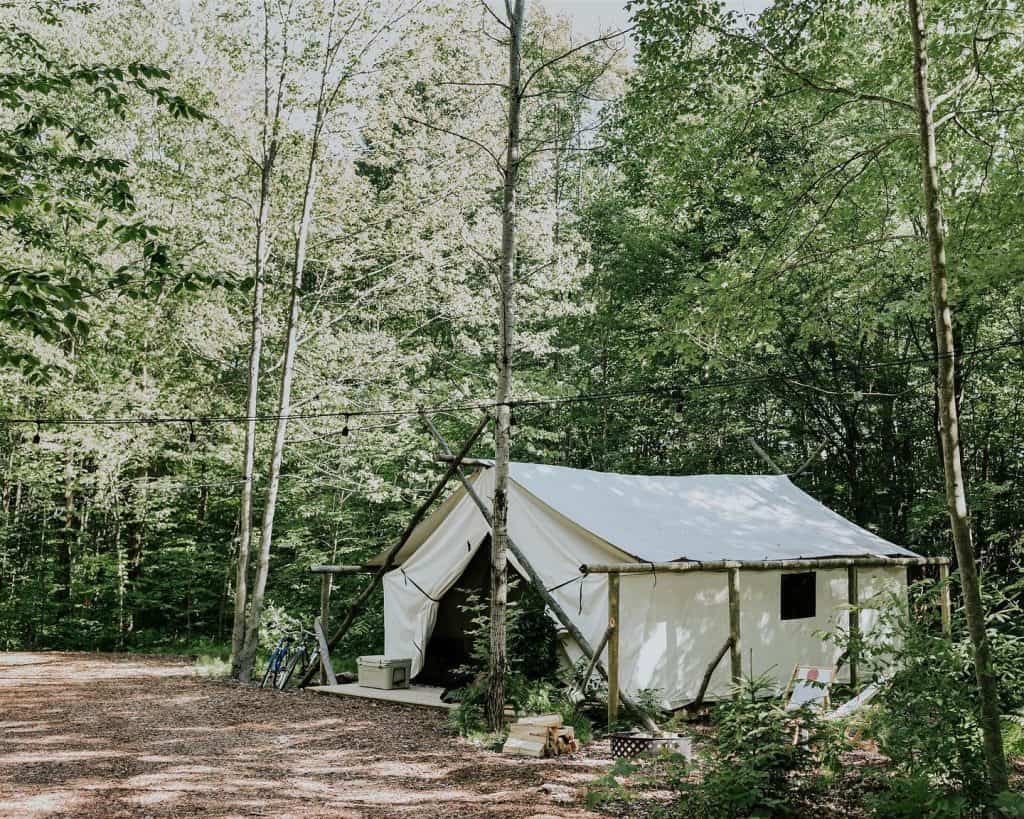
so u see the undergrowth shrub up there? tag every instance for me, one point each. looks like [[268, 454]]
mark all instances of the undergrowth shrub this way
[[751, 765], [926, 717], [532, 683]]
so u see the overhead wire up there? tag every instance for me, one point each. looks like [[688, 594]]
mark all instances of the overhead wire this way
[[668, 391]]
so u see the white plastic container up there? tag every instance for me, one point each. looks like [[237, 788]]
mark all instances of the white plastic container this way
[[378, 671]]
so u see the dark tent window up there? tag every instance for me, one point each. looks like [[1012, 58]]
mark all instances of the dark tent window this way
[[798, 596]]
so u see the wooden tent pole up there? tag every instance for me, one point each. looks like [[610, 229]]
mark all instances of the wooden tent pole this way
[[706, 681], [797, 564], [538, 584], [389, 559], [613, 649], [735, 657], [325, 607], [944, 603], [853, 599]]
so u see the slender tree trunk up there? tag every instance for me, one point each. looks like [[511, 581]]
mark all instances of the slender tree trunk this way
[[270, 145], [956, 495], [252, 407], [64, 550], [252, 626], [502, 433]]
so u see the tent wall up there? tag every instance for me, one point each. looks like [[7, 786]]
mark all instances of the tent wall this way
[[672, 626], [555, 547]]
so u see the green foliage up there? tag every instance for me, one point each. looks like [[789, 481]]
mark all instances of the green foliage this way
[[607, 789], [64, 200], [926, 717], [752, 766], [531, 686]]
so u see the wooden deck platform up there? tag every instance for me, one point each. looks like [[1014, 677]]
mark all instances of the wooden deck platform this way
[[425, 695]]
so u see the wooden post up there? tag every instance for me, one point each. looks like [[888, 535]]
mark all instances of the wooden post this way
[[735, 657], [944, 604], [853, 599], [326, 666], [706, 680], [325, 607], [613, 648]]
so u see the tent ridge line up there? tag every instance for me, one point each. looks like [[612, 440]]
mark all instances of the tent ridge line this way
[[761, 565]]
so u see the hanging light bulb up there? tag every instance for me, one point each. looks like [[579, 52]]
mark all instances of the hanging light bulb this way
[[344, 429], [191, 433], [37, 437]]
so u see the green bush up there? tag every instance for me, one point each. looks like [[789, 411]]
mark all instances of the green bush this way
[[751, 766], [925, 718]]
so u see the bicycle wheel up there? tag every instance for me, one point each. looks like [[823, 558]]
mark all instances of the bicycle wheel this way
[[273, 668], [297, 660], [267, 673]]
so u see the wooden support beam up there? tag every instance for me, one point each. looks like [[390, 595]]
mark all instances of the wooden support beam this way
[[807, 464], [325, 608], [853, 599], [706, 680], [538, 584], [389, 559], [326, 667], [482, 463], [764, 456], [945, 607], [329, 569], [593, 660], [735, 656], [683, 566], [613, 648]]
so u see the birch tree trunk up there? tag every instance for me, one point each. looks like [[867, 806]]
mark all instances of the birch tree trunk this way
[[270, 147], [502, 433], [251, 408], [252, 626], [956, 495], [284, 404]]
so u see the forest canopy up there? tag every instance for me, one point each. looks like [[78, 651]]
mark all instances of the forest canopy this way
[[720, 237]]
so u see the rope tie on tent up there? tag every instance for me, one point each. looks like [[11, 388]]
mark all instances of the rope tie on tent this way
[[568, 582], [422, 591]]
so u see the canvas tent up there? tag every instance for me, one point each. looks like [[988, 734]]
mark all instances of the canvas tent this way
[[671, 623]]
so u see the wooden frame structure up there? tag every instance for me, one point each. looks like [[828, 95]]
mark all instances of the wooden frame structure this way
[[732, 569]]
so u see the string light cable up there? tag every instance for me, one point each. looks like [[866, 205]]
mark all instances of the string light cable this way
[[670, 392]]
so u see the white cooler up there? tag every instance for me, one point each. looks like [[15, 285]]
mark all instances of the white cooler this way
[[378, 671]]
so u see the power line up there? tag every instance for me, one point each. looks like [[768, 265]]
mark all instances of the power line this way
[[667, 392]]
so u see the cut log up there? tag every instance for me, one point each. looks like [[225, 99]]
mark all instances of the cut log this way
[[518, 746], [542, 719]]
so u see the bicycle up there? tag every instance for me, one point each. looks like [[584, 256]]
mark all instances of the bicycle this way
[[286, 659]]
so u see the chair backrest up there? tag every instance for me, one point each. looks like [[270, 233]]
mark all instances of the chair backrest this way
[[809, 685]]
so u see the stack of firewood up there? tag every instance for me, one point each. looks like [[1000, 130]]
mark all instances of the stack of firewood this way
[[543, 735]]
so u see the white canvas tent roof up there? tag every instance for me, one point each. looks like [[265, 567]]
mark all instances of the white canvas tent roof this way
[[671, 626], [661, 518], [700, 517]]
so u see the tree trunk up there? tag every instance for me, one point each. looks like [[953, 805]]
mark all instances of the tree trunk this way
[[956, 495], [251, 409], [284, 403], [62, 592], [502, 433], [270, 147]]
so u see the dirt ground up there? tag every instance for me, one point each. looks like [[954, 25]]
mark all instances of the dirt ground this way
[[97, 735]]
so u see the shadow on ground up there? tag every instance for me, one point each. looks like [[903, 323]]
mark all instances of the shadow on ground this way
[[91, 735]]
